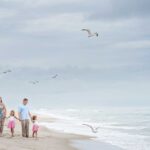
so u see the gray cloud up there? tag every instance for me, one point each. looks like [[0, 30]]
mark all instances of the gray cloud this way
[[120, 9]]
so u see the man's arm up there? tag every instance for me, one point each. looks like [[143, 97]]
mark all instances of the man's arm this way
[[30, 115], [19, 113]]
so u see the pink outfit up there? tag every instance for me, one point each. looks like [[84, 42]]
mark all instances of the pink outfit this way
[[11, 123], [35, 127]]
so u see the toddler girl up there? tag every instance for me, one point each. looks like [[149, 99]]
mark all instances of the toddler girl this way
[[35, 126]]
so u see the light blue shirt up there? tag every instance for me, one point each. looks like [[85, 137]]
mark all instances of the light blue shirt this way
[[24, 112]]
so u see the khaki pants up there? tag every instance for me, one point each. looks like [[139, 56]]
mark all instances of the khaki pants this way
[[25, 128]]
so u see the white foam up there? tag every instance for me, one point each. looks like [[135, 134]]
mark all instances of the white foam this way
[[71, 120]]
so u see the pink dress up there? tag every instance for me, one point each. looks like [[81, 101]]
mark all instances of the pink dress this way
[[35, 127], [11, 123]]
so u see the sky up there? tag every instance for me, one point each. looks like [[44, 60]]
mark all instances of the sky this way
[[41, 38]]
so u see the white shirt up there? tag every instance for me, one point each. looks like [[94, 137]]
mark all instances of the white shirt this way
[[36, 123], [12, 118]]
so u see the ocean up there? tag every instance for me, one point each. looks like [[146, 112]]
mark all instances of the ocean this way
[[127, 128]]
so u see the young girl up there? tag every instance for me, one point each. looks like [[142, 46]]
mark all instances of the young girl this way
[[35, 127], [11, 122]]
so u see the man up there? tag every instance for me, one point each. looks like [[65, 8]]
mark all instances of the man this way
[[24, 116]]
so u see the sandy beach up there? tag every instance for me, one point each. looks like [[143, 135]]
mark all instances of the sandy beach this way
[[48, 140]]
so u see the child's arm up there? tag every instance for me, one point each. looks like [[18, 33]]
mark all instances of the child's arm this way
[[17, 118]]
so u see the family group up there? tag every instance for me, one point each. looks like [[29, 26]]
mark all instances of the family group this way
[[24, 116]]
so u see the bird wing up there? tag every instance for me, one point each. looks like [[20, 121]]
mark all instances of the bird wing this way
[[87, 30], [96, 34], [89, 127], [32, 82], [97, 128], [94, 130], [7, 71], [55, 76]]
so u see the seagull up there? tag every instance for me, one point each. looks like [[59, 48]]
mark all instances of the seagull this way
[[55, 76], [34, 82], [7, 71], [90, 34], [94, 130]]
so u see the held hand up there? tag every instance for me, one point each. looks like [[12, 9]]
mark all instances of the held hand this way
[[31, 118], [4, 117]]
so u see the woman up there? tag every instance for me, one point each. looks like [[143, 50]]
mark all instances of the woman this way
[[2, 115]]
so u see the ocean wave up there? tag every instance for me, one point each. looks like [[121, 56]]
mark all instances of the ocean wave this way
[[129, 133]]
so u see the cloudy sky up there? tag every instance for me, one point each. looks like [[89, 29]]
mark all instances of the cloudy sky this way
[[39, 38]]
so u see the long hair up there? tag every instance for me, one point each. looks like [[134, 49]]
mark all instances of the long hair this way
[[1, 100]]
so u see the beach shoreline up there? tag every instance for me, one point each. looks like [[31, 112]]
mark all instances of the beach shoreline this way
[[48, 139]]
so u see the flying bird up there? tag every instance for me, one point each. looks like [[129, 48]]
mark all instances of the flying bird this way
[[34, 82], [90, 34], [94, 130], [7, 71], [55, 76]]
